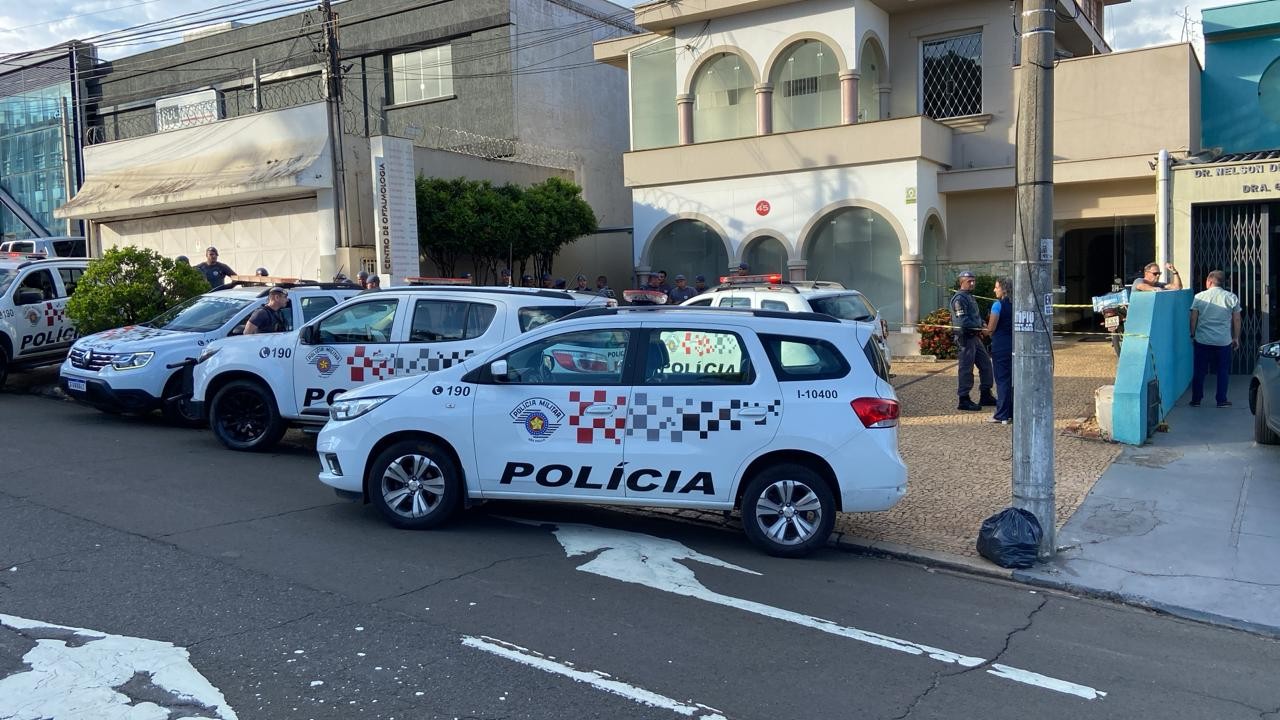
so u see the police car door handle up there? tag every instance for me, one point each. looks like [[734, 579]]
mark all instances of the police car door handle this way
[[752, 412], [601, 409]]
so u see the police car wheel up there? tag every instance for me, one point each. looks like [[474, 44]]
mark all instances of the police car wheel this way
[[415, 484], [788, 510], [243, 416]]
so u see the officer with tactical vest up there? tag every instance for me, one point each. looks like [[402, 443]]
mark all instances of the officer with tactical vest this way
[[966, 327]]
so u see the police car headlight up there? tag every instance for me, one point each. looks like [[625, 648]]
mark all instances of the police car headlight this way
[[131, 361], [352, 409], [207, 353]]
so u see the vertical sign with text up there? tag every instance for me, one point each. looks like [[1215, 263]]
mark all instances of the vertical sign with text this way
[[395, 208]]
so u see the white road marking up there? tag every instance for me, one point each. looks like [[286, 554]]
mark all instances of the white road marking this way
[[80, 683], [594, 678], [653, 562]]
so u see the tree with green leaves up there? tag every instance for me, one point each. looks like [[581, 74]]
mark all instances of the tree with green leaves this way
[[554, 215], [129, 285]]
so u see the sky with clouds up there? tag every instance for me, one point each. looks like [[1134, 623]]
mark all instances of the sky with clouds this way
[[29, 26]]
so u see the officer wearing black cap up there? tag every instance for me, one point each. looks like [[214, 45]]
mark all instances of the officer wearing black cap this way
[[700, 283], [214, 272], [527, 281], [582, 285], [681, 291], [966, 328]]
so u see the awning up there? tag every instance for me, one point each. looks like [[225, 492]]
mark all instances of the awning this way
[[269, 155]]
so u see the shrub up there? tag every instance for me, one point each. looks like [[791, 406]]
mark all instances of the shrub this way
[[935, 335], [130, 285]]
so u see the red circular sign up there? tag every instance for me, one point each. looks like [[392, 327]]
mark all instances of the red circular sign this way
[[763, 207]]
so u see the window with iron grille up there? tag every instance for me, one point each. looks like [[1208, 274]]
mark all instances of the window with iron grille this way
[[952, 76], [800, 86]]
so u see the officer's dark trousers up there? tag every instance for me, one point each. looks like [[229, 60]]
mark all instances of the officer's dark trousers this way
[[972, 352]]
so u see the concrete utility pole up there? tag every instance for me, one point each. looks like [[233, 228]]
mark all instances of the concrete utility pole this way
[[1033, 465], [333, 95]]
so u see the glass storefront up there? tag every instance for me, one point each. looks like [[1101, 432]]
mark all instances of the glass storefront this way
[[1094, 255], [653, 95], [689, 247], [859, 248], [806, 88], [32, 168]]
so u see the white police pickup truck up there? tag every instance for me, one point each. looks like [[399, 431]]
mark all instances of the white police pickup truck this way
[[787, 416], [252, 389], [140, 368], [34, 329]]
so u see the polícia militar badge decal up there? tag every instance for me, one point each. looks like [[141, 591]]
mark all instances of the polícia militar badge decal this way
[[325, 360], [539, 417]]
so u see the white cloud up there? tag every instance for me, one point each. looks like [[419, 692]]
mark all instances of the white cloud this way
[[1139, 23]]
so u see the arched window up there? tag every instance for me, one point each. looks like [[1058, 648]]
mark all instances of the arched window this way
[[806, 87], [766, 255], [870, 70], [724, 104], [689, 247], [859, 248], [1269, 92], [934, 290]]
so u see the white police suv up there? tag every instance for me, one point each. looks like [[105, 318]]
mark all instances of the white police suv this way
[[140, 368], [34, 329], [771, 292], [786, 416], [253, 388]]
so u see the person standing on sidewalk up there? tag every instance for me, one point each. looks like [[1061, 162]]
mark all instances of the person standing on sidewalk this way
[[1215, 330], [966, 327], [1000, 330]]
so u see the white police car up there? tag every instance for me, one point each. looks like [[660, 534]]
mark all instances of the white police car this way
[[34, 328], [771, 292], [786, 416], [132, 369], [252, 388]]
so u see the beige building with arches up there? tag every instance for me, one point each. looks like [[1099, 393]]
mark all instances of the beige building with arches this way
[[872, 142]]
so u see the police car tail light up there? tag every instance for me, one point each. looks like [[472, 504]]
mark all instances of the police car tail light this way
[[876, 412]]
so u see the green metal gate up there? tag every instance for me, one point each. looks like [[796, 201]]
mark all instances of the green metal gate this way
[[1237, 239]]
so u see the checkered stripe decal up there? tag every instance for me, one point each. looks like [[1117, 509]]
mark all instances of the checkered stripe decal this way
[[54, 314], [362, 365], [593, 427], [673, 419], [428, 361], [696, 344]]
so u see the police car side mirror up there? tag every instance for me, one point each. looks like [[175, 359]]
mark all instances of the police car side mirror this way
[[498, 369], [307, 336], [28, 296]]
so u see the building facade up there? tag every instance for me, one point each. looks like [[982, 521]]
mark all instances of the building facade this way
[[224, 139], [39, 149], [872, 142], [1226, 201]]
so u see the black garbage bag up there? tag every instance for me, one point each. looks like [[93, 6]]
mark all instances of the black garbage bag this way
[[1010, 538]]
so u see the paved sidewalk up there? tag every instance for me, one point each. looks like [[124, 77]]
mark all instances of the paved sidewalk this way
[[1188, 524]]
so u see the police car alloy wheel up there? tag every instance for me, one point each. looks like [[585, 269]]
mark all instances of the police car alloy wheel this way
[[788, 510], [415, 484], [244, 417], [177, 410]]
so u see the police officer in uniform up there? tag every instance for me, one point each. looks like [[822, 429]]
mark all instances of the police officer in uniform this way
[[681, 291], [268, 318], [967, 328]]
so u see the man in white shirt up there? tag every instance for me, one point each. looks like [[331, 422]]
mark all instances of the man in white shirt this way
[[1215, 329]]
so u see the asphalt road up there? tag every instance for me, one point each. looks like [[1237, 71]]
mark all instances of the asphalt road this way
[[295, 604]]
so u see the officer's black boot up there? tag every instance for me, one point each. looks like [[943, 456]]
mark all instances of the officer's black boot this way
[[987, 399], [967, 404]]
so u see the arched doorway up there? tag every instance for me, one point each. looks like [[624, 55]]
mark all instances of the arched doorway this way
[[689, 247], [806, 87], [766, 254], [871, 68], [858, 247], [724, 100], [933, 286]]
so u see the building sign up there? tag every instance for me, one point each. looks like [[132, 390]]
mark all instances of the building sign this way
[[763, 207], [190, 110], [395, 208], [1252, 179], [911, 196]]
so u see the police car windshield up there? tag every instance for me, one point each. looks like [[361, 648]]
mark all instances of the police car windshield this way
[[532, 317], [202, 313], [851, 306]]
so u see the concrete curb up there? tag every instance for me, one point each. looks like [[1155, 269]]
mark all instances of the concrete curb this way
[[932, 558], [1146, 603]]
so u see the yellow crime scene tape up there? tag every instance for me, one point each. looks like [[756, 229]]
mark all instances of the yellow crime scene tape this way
[[984, 297], [1055, 332]]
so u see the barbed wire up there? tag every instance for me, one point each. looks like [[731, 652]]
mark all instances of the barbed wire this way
[[437, 137]]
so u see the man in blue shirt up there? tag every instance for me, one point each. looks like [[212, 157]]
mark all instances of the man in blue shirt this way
[[1215, 329]]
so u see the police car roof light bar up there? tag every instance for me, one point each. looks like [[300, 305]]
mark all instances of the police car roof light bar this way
[[647, 297], [437, 281], [23, 256], [269, 280], [771, 279], [779, 314]]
